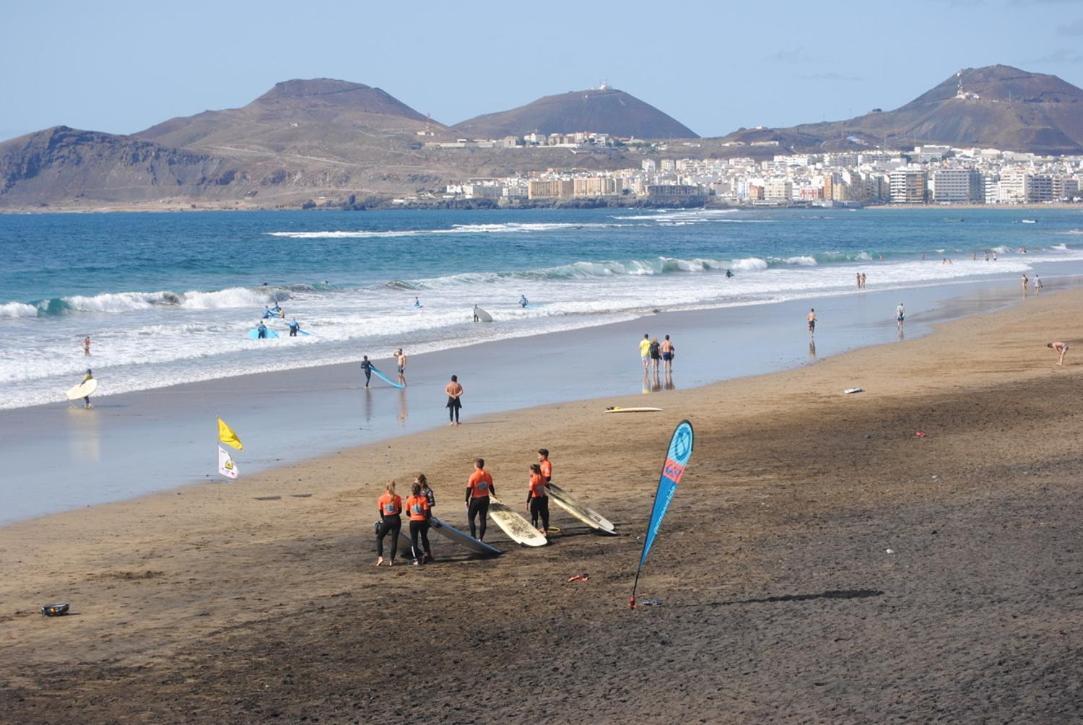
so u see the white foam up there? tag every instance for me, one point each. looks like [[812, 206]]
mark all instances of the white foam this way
[[17, 309]]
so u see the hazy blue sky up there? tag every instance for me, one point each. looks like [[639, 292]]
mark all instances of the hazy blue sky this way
[[715, 66]]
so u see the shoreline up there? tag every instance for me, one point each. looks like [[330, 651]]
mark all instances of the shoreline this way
[[846, 551], [162, 432]]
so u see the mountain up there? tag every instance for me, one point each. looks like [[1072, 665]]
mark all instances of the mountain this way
[[995, 106], [76, 167], [603, 110]]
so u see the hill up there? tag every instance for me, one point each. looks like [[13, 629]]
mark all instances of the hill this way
[[604, 110], [995, 106]]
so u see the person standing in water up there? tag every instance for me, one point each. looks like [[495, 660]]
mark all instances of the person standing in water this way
[[390, 505], [90, 376], [261, 331], [645, 352], [1059, 347], [86, 346], [668, 351], [1026, 284], [900, 316], [417, 302], [523, 301], [656, 355], [400, 360], [478, 488], [477, 317], [366, 368], [454, 392], [537, 500], [295, 327], [811, 317], [417, 508]]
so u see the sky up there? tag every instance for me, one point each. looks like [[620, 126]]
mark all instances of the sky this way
[[716, 66]]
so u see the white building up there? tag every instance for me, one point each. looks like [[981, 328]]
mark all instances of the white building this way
[[908, 186]]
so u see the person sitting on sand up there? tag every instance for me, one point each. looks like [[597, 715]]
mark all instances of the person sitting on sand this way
[[537, 499], [417, 508], [454, 403], [390, 505], [545, 464], [478, 488], [1059, 347]]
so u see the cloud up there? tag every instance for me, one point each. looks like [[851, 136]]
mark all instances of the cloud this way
[[1061, 55], [830, 76], [1073, 28], [795, 56]]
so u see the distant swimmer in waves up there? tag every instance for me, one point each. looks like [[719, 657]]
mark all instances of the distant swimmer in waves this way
[[645, 352], [523, 301], [537, 500], [729, 273], [86, 346], [366, 368], [478, 488], [390, 506], [811, 317], [400, 361], [1056, 346], [295, 327], [668, 353], [419, 513], [90, 376], [454, 403], [417, 303]]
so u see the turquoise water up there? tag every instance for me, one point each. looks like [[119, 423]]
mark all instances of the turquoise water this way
[[169, 298]]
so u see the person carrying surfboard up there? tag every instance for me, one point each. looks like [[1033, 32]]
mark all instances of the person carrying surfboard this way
[[295, 327], [400, 360], [417, 508], [366, 368], [90, 376], [478, 488], [537, 499], [261, 331], [390, 506]]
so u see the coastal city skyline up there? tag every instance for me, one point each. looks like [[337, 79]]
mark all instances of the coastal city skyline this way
[[795, 76]]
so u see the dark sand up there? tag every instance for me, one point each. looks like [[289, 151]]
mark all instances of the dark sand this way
[[780, 599]]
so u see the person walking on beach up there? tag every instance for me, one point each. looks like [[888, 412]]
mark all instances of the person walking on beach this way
[[426, 490], [811, 321], [1059, 347], [400, 360], [478, 488], [366, 368], [86, 346], [545, 464], [645, 352], [417, 508], [900, 316], [656, 355], [454, 392], [537, 500], [1037, 283], [390, 505], [668, 351], [86, 398], [1026, 284]]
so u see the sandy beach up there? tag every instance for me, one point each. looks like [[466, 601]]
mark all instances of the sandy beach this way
[[820, 562]]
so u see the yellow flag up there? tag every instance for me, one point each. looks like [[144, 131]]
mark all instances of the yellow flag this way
[[227, 436]]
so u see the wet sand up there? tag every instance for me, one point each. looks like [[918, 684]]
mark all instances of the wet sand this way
[[820, 562]]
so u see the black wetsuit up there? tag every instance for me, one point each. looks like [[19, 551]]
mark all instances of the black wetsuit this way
[[366, 367], [390, 525], [478, 507]]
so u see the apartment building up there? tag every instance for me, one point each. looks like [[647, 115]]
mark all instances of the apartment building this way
[[907, 186], [957, 186]]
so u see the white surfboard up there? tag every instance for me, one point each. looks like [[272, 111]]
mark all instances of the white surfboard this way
[[587, 515], [483, 316], [82, 390], [515, 526], [615, 409]]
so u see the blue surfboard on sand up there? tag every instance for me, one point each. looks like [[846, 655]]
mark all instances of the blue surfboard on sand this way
[[395, 384]]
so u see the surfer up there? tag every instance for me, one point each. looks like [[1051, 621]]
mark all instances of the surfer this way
[[90, 376], [545, 464], [417, 302], [295, 327], [390, 505], [417, 508], [478, 488], [523, 301], [400, 360], [477, 317], [729, 273], [1057, 346], [645, 352], [366, 368], [86, 346], [537, 500], [261, 331], [454, 392], [426, 490], [668, 352], [811, 321]]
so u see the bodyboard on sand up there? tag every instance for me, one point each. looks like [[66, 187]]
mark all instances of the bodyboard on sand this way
[[393, 383], [515, 526], [463, 539], [615, 409], [82, 390], [587, 515]]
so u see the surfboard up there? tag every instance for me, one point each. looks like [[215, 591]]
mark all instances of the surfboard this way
[[253, 334], [82, 390], [389, 381], [515, 526], [463, 539], [615, 409], [587, 515], [483, 316]]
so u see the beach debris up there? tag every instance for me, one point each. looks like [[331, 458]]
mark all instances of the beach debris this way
[[889, 551], [579, 578], [851, 391], [267, 498], [55, 610], [651, 603], [919, 434]]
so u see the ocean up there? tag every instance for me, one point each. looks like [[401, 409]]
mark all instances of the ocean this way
[[169, 298]]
